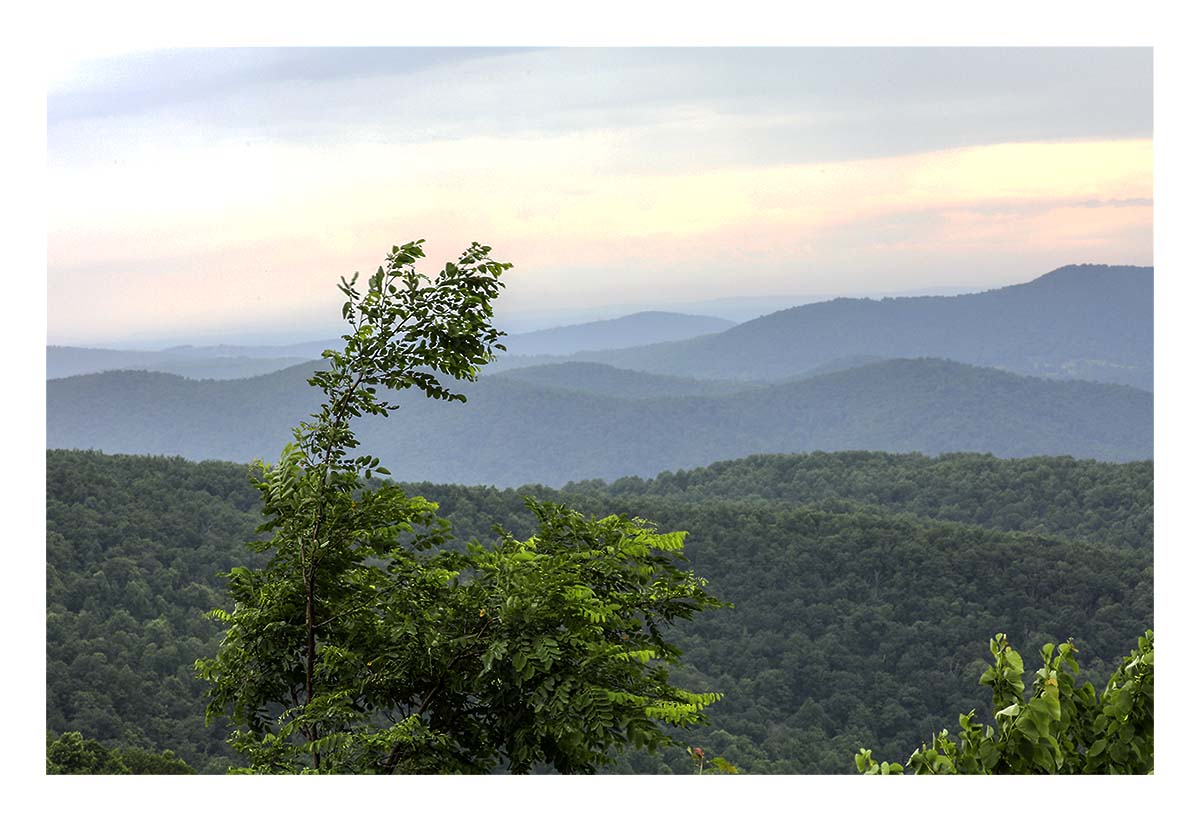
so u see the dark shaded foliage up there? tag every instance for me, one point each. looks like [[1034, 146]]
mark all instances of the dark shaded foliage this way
[[1055, 495], [133, 549], [72, 754], [852, 627]]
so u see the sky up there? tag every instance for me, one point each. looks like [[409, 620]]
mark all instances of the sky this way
[[216, 195]]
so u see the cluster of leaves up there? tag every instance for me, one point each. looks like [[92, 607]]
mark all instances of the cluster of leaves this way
[[1059, 728], [574, 660], [548, 650], [72, 754], [364, 646]]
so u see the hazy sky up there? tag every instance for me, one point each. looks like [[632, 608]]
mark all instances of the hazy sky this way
[[210, 193]]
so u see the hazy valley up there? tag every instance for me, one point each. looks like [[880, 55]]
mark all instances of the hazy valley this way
[[826, 376]]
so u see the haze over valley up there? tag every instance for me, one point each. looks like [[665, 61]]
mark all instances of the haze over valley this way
[[1029, 369]]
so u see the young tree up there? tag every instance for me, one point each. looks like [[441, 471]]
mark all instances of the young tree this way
[[364, 646], [1060, 728], [72, 754]]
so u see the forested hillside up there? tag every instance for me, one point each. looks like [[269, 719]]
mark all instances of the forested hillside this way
[[1075, 499], [857, 621], [133, 549], [513, 432], [1090, 322]]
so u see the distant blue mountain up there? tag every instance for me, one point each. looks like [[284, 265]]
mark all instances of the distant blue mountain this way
[[605, 380], [1093, 322], [512, 432], [239, 361], [194, 362], [644, 328]]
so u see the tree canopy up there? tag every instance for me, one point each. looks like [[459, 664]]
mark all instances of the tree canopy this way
[[1059, 728], [826, 651], [72, 754], [364, 646]]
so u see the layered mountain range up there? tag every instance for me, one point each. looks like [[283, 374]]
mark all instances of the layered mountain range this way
[[513, 430], [238, 361], [1092, 322], [1061, 365]]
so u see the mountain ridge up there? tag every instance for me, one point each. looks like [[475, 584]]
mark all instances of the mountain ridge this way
[[640, 328], [235, 361], [1080, 321], [511, 433]]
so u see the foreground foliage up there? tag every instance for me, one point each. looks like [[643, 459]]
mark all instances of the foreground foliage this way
[[547, 650], [363, 645], [1060, 728]]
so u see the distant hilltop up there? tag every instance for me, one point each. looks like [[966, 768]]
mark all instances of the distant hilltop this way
[[1086, 321], [1093, 322], [562, 424]]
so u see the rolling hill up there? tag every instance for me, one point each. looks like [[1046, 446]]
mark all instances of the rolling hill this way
[[240, 361], [1082, 500], [512, 432], [207, 362], [643, 328], [1091, 322], [605, 380]]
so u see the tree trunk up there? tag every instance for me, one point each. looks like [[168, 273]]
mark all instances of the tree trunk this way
[[310, 624]]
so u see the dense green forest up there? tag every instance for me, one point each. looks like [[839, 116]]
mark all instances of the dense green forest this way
[[1076, 499], [857, 616], [72, 754], [133, 549]]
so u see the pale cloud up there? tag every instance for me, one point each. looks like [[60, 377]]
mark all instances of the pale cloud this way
[[263, 231], [635, 184], [826, 104]]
